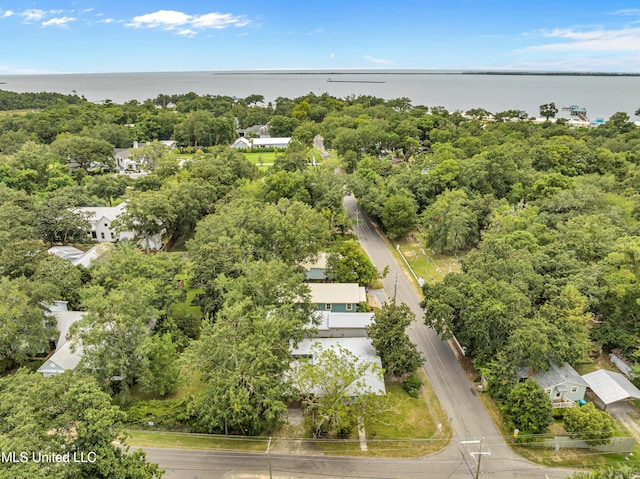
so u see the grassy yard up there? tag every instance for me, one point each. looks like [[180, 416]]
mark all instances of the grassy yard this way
[[195, 441], [409, 428], [261, 157], [185, 307], [426, 264]]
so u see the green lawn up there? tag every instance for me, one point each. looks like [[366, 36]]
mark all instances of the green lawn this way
[[409, 428], [194, 441], [186, 307], [425, 262], [261, 158]]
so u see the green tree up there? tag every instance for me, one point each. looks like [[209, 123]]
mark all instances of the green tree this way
[[450, 222], [548, 110], [107, 187], [202, 128], [398, 216], [162, 376], [350, 264], [148, 212], [25, 328], [64, 414], [115, 334], [588, 423], [399, 355], [328, 386], [59, 223], [528, 409], [84, 150]]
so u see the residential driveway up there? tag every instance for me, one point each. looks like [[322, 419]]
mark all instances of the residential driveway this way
[[628, 415]]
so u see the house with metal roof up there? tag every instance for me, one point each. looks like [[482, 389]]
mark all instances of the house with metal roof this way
[[64, 358], [361, 348], [76, 256], [244, 143], [610, 387], [337, 297], [330, 324]]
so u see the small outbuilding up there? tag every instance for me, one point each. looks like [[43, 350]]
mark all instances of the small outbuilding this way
[[609, 387]]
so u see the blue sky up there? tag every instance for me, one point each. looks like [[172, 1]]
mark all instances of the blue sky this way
[[91, 36]]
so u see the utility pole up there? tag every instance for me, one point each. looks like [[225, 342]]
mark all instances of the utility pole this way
[[480, 453], [395, 290]]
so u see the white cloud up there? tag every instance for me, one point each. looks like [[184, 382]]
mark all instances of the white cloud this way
[[217, 21], [623, 39], [7, 13], [316, 31], [185, 24], [62, 22], [332, 55], [380, 61], [187, 32], [107, 20], [33, 15], [628, 12]]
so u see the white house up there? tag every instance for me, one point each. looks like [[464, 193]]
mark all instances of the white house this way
[[244, 143], [101, 219]]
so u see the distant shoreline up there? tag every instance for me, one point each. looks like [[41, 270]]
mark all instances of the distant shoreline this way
[[425, 72]]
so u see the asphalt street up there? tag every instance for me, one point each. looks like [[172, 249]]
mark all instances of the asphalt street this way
[[467, 415]]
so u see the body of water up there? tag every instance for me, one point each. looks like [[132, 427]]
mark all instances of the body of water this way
[[600, 95]]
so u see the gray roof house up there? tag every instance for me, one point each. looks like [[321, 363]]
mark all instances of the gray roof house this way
[[63, 358], [563, 384]]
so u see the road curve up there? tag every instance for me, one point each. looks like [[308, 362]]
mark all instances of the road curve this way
[[467, 415]]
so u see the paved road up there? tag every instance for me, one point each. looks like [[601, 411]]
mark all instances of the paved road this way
[[467, 416]]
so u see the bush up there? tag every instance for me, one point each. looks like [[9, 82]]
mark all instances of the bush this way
[[412, 385], [589, 424]]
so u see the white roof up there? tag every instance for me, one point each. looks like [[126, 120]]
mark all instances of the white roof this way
[[331, 320], [319, 263], [87, 258], [337, 293], [99, 212], [75, 255], [66, 252], [359, 347], [64, 320], [611, 387], [62, 360], [270, 141]]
